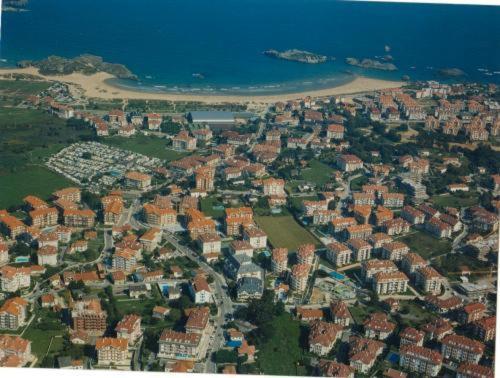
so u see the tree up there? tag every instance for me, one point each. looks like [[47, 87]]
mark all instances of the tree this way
[[225, 356]]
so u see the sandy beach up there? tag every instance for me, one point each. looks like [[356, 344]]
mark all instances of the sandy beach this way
[[98, 86]]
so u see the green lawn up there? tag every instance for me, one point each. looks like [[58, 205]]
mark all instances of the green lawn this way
[[13, 92], [413, 315], [450, 264], [207, 205], [425, 244], [281, 354], [36, 180], [317, 172], [357, 183], [149, 146], [456, 200], [284, 231], [129, 306], [41, 338]]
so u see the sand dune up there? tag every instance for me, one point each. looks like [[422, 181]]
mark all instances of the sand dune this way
[[98, 86]]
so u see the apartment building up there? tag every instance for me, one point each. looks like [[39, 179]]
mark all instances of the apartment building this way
[[69, 194], [322, 337], [236, 219], [210, 244], [394, 251], [137, 180], [79, 218], [335, 131], [151, 239], [361, 231], [390, 283], [47, 255], [179, 345], [340, 313], [14, 351], [34, 203], [371, 267], [396, 226], [89, 317], [44, 217], [124, 260], [378, 326], [273, 187], [183, 142], [484, 329], [4, 254], [255, 236], [279, 260], [361, 249], [461, 349], [129, 328], [338, 225], [13, 313], [411, 262], [412, 215], [200, 290], [112, 352], [349, 163], [204, 178], [393, 199], [411, 336], [11, 226], [420, 360], [159, 217], [305, 254], [429, 280], [299, 276], [338, 254], [14, 279], [471, 312]]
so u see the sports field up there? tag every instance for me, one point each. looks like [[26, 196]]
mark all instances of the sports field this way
[[284, 231]]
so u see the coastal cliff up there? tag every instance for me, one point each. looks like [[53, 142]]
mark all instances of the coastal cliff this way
[[372, 64], [297, 56], [85, 64]]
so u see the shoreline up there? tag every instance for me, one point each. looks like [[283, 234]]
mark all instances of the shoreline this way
[[98, 86]]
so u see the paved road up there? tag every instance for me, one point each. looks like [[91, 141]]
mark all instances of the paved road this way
[[222, 299], [38, 291]]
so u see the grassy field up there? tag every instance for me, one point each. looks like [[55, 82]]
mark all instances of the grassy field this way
[[35, 180], [207, 204], [12, 92], [317, 172], [131, 306], [456, 200], [41, 338], [284, 231], [282, 353], [426, 245], [25, 132], [149, 146]]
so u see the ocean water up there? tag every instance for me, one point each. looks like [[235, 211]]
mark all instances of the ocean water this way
[[165, 42]]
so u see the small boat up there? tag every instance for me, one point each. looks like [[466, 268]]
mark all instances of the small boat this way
[[3, 60], [198, 75], [148, 77]]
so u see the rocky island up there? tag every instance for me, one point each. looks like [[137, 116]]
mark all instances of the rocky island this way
[[14, 5], [451, 72], [372, 64], [297, 56], [85, 64]]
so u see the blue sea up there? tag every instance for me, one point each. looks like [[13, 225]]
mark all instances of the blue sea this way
[[165, 42]]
